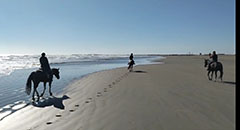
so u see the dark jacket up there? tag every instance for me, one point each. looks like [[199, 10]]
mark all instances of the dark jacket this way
[[44, 64], [215, 58], [131, 57]]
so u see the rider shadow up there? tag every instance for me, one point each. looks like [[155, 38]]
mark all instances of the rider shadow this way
[[52, 101]]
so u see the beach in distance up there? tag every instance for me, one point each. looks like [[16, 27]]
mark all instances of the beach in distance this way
[[173, 95]]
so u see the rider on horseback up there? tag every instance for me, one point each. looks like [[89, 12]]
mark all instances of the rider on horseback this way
[[214, 61], [45, 67], [131, 62], [131, 56]]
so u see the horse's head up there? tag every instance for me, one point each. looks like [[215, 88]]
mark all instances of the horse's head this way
[[206, 62], [56, 72]]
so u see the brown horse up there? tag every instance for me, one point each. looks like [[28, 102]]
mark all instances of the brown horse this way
[[214, 67], [39, 76]]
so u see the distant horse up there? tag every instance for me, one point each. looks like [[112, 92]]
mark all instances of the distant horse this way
[[214, 67], [130, 65], [37, 77]]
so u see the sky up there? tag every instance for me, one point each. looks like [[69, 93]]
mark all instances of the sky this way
[[117, 26]]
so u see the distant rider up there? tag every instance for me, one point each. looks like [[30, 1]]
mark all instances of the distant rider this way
[[131, 62], [214, 58], [45, 65], [131, 57]]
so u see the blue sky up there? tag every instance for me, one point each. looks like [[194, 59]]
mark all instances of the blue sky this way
[[117, 26]]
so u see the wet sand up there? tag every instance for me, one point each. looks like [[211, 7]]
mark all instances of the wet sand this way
[[171, 96]]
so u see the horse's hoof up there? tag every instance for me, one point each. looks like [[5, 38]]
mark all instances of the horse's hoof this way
[[51, 94]]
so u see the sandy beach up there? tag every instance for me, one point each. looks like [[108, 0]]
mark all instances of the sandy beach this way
[[176, 95]]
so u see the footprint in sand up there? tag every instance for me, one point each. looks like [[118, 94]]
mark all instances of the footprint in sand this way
[[49, 123], [113, 83], [110, 86], [76, 105]]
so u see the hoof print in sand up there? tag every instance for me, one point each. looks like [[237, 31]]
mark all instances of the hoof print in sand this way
[[89, 100], [58, 115], [105, 89], [71, 110], [49, 123], [99, 94], [76, 105]]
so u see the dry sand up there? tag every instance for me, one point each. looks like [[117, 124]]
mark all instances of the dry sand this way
[[173, 96]]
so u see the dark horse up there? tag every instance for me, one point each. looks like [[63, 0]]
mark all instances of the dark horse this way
[[214, 67], [37, 77], [130, 65]]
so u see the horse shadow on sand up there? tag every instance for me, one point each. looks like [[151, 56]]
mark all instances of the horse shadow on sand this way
[[139, 71], [229, 82], [57, 102]]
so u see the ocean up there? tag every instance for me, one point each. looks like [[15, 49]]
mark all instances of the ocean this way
[[15, 69]]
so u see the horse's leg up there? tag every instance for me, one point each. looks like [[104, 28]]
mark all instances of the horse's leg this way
[[50, 85], [44, 85], [208, 75], [216, 75], [35, 87], [129, 66], [212, 75], [221, 75]]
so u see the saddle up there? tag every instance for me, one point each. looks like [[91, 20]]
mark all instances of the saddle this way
[[47, 74], [214, 65], [131, 62]]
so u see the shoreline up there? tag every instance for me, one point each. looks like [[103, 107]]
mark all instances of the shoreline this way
[[151, 97], [15, 91]]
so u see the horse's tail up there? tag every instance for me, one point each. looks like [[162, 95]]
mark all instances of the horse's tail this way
[[29, 84]]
